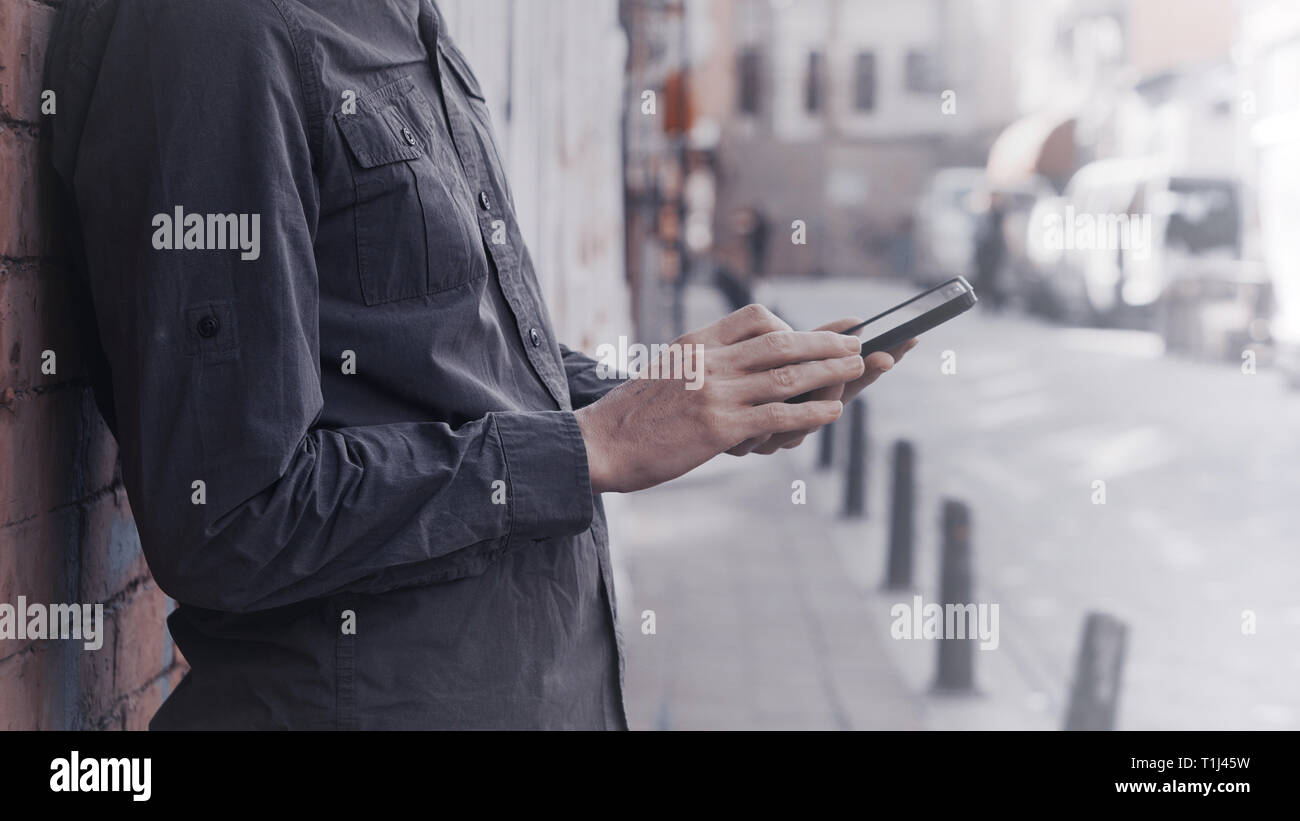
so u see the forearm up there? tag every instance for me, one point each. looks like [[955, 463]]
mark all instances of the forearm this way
[[356, 502]]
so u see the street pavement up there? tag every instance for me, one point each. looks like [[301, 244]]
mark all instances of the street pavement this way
[[770, 614]]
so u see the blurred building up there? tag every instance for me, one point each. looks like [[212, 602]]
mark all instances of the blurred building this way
[[827, 112], [1270, 121], [1133, 77], [657, 112], [1182, 102], [836, 113]]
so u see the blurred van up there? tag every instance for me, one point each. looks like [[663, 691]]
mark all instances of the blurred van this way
[[1125, 231]]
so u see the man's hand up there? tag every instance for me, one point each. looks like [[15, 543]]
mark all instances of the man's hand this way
[[650, 430], [876, 365]]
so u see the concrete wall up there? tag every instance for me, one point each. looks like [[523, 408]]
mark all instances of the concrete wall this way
[[553, 75], [66, 533]]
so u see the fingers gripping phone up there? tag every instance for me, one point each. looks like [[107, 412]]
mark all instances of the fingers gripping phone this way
[[912, 318]]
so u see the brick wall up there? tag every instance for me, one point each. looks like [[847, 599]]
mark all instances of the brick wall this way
[[66, 533]]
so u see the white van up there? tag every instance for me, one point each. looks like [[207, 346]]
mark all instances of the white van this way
[[1127, 229]]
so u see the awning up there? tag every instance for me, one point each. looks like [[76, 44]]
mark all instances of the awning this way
[[1038, 144]]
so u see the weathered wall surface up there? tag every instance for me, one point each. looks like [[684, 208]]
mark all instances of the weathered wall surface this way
[[553, 75]]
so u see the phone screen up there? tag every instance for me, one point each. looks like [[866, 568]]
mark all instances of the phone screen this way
[[912, 309]]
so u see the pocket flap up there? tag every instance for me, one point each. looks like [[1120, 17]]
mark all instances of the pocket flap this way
[[377, 132]]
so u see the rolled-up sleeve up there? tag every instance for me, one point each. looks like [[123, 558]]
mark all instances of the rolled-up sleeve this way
[[536, 466], [243, 501]]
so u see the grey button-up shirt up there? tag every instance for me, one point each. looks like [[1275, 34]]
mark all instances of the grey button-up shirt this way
[[346, 425]]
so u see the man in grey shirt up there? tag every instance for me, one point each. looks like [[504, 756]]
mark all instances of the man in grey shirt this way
[[356, 453]]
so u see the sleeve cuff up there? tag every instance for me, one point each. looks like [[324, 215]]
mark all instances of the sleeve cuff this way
[[546, 468]]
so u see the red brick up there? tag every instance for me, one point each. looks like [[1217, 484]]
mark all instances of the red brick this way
[[37, 474], [24, 680], [110, 557], [100, 457], [25, 207], [96, 698], [32, 690], [143, 644], [36, 316], [24, 30], [32, 565], [142, 706]]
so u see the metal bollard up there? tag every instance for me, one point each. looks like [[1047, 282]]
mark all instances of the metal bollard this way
[[902, 518], [1094, 696], [955, 669], [855, 473], [826, 447]]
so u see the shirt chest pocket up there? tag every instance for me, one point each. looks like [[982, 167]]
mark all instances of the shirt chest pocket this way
[[416, 231]]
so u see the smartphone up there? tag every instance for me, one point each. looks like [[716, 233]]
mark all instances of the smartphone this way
[[911, 318], [915, 316]]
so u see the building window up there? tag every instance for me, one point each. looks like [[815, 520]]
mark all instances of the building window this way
[[864, 81], [747, 70], [919, 72], [814, 83]]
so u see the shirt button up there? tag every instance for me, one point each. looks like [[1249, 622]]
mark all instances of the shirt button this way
[[209, 326], [408, 136], [536, 337], [484, 201]]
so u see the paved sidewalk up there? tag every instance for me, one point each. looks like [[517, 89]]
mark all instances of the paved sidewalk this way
[[758, 624]]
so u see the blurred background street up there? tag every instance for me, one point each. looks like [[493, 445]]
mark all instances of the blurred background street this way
[[1118, 180]]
